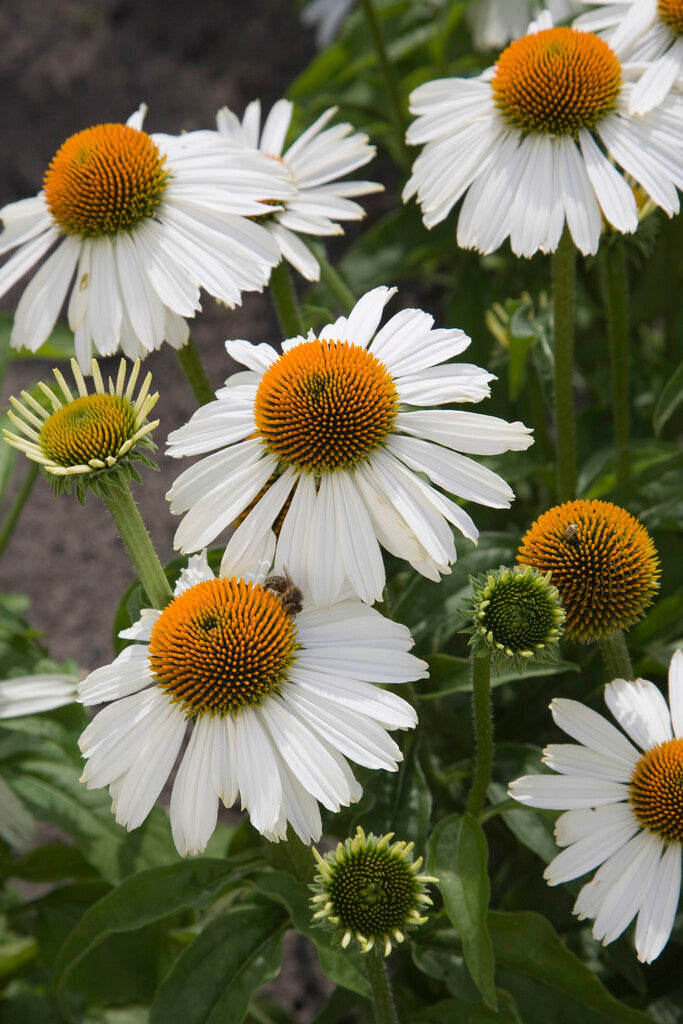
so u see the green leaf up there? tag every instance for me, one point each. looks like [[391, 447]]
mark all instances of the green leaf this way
[[16, 824], [527, 943], [146, 897], [456, 1011], [53, 863], [669, 400], [402, 801], [343, 967], [458, 856], [214, 978]]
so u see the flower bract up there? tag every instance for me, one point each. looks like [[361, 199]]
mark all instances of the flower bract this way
[[537, 142], [602, 561], [369, 889], [623, 803], [85, 436], [314, 163], [516, 614], [347, 421], [650, 33], [276, 700], [142, 222]]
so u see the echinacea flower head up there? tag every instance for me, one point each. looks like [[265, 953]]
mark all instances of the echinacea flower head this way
[[369, 889], [30, 695], [86, 437], [315, 163], [496, 22], [602, 561], [277, 696], [537, 142], [142, 222], [623, 808], [345, 422], [649, 33], [516, 614]]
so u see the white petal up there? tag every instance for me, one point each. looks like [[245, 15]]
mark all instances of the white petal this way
[[564, 792], [570, 759], [658, 910], [28, 695], [257, 774], [592, 850], [594, 731], [194, 803], [641, 710], [128, 673], [676, 693], [42, 299]]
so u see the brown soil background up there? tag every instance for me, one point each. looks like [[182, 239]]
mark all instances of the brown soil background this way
[[67, 64]]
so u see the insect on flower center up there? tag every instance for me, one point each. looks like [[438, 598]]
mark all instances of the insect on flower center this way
[[94, 427], [602, 561], [556, 81], [671, 13], [372, 892], [656, 790], [325, 405], [105, 180], [222, 645]]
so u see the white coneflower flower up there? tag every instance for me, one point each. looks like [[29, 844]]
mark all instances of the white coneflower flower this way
[[143, 222], [345, 423], [29, 695], [314, 163], [278, 693], [85, 435], [534, 140], [644, 30], [495, 22], [623, 808]]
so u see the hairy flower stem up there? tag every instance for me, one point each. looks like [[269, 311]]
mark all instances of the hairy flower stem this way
[[382, 995], [564, 282], [615, 294], [17, 505], [396, 106], [193, 368], [285, 301], [332, 279], [126, 515], [482, 712], [293, 856], [616, 657]]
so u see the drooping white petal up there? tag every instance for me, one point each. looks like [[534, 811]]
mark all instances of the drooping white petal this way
[[564, 792], [194, 803], [641, 711], [29, 695], [658, 909]]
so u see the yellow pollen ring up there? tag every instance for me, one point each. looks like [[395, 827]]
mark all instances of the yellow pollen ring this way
[[222, 645], [656, 790], [556, 81], [325, 405], [671, 13], [105, 180]]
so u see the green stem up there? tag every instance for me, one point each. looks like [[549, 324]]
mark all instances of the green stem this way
[[564, 281], [483, 732], [294, 856], [193, 368], [125, 513], [615, 655], [382, 996], [285, 301], [332, 279], [390, 81], [17, 505], [615, 291]]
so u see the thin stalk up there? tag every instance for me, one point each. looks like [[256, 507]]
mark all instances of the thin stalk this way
[[333, 280], [17, 505], [564, 286], [193, 368], [482, 714], [126, 515], [615, 655], [615, 292], [382, 996], [285, 301], [390, 80]]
